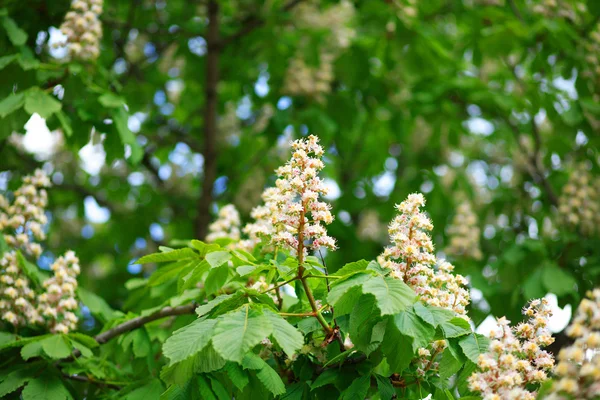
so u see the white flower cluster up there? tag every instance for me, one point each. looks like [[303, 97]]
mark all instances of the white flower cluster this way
[[578, 369], [58, 302], [17, 299], [411, 258], [22, 221], [304, 80], [464, 234], [20, 305], [262, 227], [299, 215], [515, 358], [315, 81], [227, 224], [571, 10], [83, 29], [579, 203]]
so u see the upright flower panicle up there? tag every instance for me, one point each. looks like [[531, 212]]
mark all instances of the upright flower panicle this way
[[83, 29], [579, 203], [515, 358], [578, 369], [262, 227], [411, 259], [227, 224], [464, 234], [58, 301], [299, 215], [22, 221], [53, 305], [17, 299]]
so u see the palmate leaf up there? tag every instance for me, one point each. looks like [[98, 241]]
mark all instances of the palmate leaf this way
[[188, 340], [15, 380], [238, 331], [207, 360], [206, 308], [397, 347], [46, 387], [358, 389], [218, 258], [56, 347], [392, 294], [288, 337]]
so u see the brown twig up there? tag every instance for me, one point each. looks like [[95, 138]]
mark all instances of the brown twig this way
[[210, 121]]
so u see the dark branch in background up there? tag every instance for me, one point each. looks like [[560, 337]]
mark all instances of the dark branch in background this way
[[251, 23], [86, 379], [137, 323], [210, 121]]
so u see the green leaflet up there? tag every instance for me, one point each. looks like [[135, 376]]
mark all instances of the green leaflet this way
[[392, 294], [46, 387], [473, 345], [188, 340], [172, 255], [238, 331], [288, 337]]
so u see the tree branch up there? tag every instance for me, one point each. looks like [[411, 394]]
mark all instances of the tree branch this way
[[210, 121], [141, 321]]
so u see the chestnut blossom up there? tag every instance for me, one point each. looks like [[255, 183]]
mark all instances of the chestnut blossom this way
[[579, 203], [464, 234], [22, 221], [298, 215], [578, 369], [515, 359], [262, 226], [411, 259], [17, 299], [57, 304], [83, 29], [227, 224]]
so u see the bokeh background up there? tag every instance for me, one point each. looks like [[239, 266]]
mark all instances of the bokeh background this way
[[488, 107]]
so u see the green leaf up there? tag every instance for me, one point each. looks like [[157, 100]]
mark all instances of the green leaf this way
[[206, 308], [271, 380], [358, 389], [218, 258], [474, 345], [205, 391], [239, 331], [17, 36], [340, 287], [151, 390], [288, 337], [558, 280], [216, 279], [327, 377], [172, 271], [219, 389], [362, 319], [120, 118], [33, 349], [56, 347], [11, 103], [111, 100], [64, 122], [4, 61], [173, 255], [97, 305], [38, 101], [14, 380], [246, 269], [187, 391], [409, 324], [88, 341], [352, 267], [237, 375], [392, 294], [188, 340], [449, 365], [455, 327], [46, 387], [385, 387], [397, 348]]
